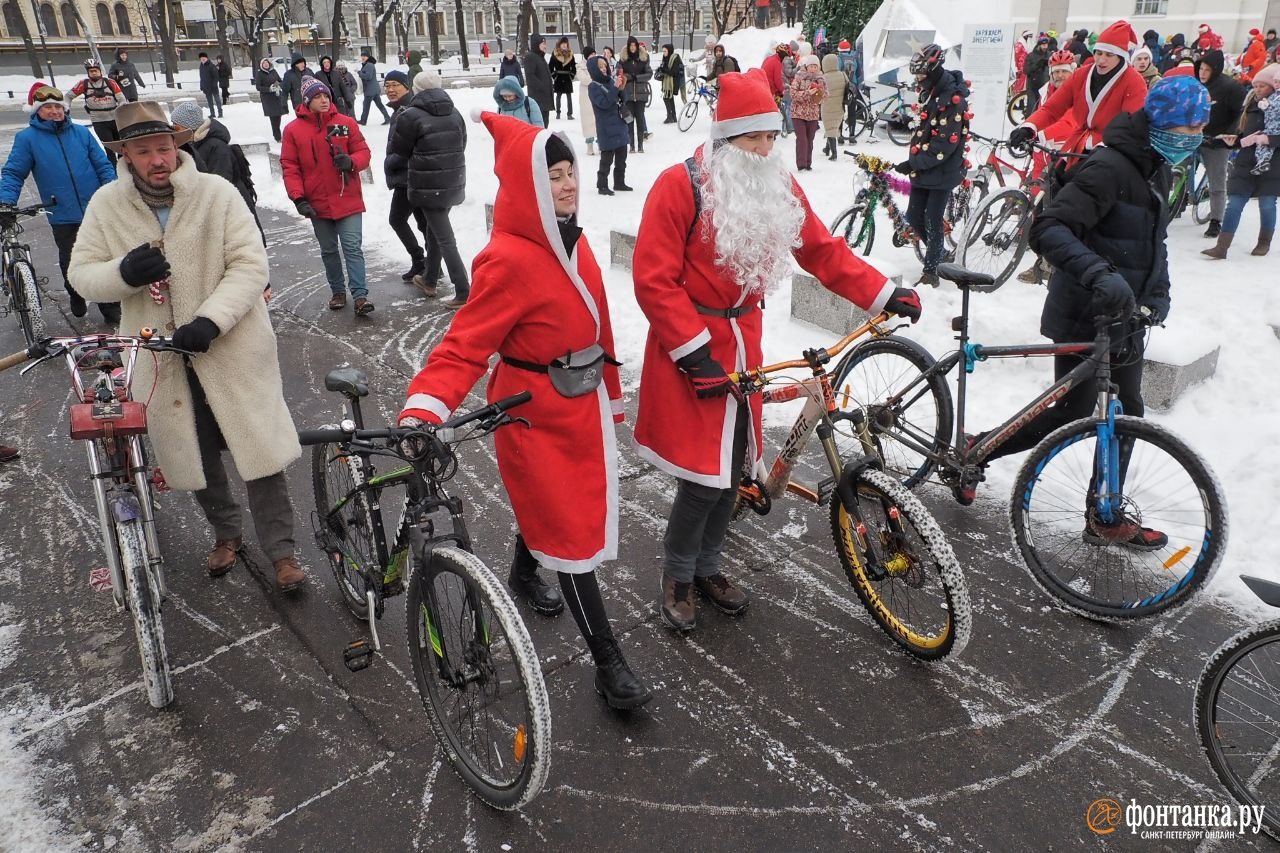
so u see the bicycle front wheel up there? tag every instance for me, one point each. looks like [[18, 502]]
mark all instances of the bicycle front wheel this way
[[479, 678], [1237, 716], [1016, 109], [143, 600], [996, 237], [344, 523], [908, 416], [915, 592], [688, 115], [1116, 570], [1200, 205], [29, 316]]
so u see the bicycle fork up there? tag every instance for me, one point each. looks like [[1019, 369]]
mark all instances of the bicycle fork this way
[[1107, 463]]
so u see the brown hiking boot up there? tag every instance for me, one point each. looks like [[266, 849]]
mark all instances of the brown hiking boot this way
[[289, 575], [1264, 243], [676, 606], [427, 288], [337, 302], [723, 593], [363, 307], [1219, 251], [222, 557]]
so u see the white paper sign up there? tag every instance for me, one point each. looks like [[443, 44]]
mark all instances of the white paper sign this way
[[986, 57]]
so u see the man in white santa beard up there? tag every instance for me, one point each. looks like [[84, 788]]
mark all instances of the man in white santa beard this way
[[716, 237]]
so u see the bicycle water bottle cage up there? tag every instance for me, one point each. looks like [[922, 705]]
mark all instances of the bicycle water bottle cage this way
[[972, 355]]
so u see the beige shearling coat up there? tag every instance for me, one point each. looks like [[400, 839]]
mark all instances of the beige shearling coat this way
[[219, 270], [833, 101]]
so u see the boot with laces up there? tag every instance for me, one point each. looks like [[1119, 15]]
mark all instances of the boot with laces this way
[[614, 679], [723, 593]]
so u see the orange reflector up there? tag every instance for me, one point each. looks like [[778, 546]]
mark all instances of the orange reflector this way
[[519, 744], [845, 392], [1177, 556]]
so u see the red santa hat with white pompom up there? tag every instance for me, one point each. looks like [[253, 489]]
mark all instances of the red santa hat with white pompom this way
[[43, 93], [745, 105], [1119, 39]]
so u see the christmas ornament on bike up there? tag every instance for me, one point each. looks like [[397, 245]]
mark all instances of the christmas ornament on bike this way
[[574, 374]]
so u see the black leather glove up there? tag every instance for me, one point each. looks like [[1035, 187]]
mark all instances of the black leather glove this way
[[1020, 136], [196, 335], [903, 168], [343, 161], [705, 374], [1112, 295], [304, 208], [904, 302], [144, 265]]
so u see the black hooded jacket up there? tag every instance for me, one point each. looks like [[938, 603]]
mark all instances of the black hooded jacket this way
[[511, 68], [291, 84], [1080, 47], [937, 143], [537, 74], [125, 73], [432, 136], [1113, 212], [333, 80], [1177, 47], [1227, 96], [1036, 67]]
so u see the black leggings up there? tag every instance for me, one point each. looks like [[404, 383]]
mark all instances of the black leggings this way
[[567, 96], [582, 594], [1080, 401], [925, 210]]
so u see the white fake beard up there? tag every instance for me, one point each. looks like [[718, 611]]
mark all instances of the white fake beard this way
[[755, 215]]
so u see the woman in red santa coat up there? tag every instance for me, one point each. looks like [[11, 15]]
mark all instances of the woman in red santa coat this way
[[1092, 96], [561, 474], [701, 279]]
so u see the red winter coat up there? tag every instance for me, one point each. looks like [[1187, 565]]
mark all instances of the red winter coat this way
[[772, 68], [1254, 59], [1085, 117], [308, 166], [1019, 61], [673, 271], [532, 301]]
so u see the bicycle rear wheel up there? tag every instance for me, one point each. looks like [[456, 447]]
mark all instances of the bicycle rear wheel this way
[[1200, 206], [345, 523], [916, 593], [1096, 569], [26, 297], [689, 115], [996, 237], [898, 129], [479, 678], [859, 119], [143, 600], [1016, 109], [1237, 716]]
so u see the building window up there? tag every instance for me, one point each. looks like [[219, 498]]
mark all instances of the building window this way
[[613, 22], [49, 20], [441, 21], [552, 21], [671, 21], [364, 25], [69, 20], [478, 23], [626, 20], [12, 21], [640, 27], [122, 20], [1150, 7], [104, 19], [419, 23], [697, 21]]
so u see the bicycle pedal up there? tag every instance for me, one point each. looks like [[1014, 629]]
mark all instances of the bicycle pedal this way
[[358, 655]]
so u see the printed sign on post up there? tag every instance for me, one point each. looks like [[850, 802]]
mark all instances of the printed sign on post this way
[[987, 59]]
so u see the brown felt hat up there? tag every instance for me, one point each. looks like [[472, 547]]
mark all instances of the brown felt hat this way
[[137, 119]]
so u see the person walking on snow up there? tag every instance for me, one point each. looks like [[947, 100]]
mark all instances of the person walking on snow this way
[[563, 69], [126, 75], [510, 67], [271, 93], [637, 71], [396, 168], [321, 157], [1227, 97], [612, 134], [292, 83], [227, 393], [512, 101], [833, 103], [101, 97], [369, 85], [808, 88], [209, 84], [68, 164], [717, 234], [540, 302], [328, 75], [586, 112], [537, 76], [224, 78]]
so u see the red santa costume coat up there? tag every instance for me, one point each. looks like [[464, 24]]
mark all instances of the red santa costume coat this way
[[533, 301], [675, 431], [1072, 115]]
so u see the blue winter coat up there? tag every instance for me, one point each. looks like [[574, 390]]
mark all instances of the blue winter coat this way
[[611, 130], [523, 107], [67, 161]]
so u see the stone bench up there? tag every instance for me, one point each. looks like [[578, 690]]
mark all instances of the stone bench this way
[[460, 84], [1169, 373], [273, 159], [622, 248], [255, 147], [239, 98], [814, 304]]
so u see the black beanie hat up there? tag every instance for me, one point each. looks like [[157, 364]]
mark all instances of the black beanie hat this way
[[558, 150]]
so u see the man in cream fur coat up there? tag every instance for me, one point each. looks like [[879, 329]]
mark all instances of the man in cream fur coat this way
[[199, 237]]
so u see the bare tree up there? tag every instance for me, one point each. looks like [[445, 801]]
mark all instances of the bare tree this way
[[253, 13], [337, 30], [728, 15], [658, 8], [528, 25], [25, 35], [497, 25], [381, 11], [460, 20], [162, 24]]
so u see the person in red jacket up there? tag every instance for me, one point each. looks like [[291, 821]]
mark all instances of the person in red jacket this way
[[1094, 95], [772, 68], [1255, 56], [703, 264], [538, 296], [1207, 40], [322, 156]]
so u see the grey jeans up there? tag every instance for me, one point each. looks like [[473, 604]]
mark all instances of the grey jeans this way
[[700, 518], [1215, 162], [268, 496]]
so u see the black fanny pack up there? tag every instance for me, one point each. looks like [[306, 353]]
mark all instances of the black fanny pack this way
[[573, 374]]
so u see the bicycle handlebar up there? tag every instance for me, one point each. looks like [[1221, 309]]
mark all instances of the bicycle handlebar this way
[[831, 352], [30, 210], [325, 436], [54, 347]]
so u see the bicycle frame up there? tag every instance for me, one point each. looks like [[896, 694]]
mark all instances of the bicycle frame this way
[[993, 163]]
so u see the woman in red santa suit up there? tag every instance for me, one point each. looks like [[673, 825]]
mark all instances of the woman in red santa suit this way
[[1092, 96], [716, 236], [561, 473]]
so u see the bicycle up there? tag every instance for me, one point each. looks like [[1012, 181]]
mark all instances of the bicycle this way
[[890, 546], [22, 295], [1016, 108], [1190, 189], [893, 111], [474, 664], [112, 425], [856, 224], [1083, 492], [997, 233], [704, 93], [1237, 712]]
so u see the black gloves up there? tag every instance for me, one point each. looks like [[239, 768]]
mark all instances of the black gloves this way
[[196, 335], [904, 302], [705, 374], [1020, 136], [144, 265], [1112, 295], [903, 168], [304, 208], [343, 161]]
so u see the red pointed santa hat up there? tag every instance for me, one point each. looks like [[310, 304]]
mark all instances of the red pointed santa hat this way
[[1119, 38], [745, 105], [44, 93]]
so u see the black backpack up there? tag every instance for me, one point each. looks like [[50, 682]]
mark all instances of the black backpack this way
[[242, 174]]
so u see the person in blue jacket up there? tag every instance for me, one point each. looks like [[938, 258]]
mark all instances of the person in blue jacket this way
[[509, 95], [69, 165], [612, 134]]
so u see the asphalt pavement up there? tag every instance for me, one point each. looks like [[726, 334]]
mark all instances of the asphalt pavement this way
[[798, 726]]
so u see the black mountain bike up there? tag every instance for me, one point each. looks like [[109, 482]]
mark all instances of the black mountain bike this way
[[18, 276], [473, 661], [893, 111], [1082, 494]]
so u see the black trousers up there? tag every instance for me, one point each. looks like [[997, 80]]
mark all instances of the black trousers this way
[[617, 158], [568, 96], [639, 127], [275, 126], [925, 210], [64, 237], [1080, 401], [106, 131], [443, 246], [398, 219], [671, 108]]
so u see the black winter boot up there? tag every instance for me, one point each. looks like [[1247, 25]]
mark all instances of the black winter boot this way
[[525, 581], [614, 679], [1214, 229], [418, 268]]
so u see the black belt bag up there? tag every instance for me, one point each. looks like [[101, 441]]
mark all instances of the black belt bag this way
[[574, 374], [728, 313]]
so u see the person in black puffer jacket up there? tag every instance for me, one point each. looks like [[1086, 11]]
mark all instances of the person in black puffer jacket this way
[[1228, 101], [510, 67], [1105, 235], [328, 75], [432, 135], [395, 166], [537, 76], [1036, 69], [936, 164], [639, 71]]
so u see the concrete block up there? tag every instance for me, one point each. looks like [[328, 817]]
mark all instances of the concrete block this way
[[1163, 382], [274, 160], [255, 97], [460, 84], [622, 247], [256, 147], [238, 98], [488, 217], [814, 304]]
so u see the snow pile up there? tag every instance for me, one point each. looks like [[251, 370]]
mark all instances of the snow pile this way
[[751, 46]]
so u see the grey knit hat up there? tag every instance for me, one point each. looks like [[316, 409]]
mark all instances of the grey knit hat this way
[[189, 114]]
